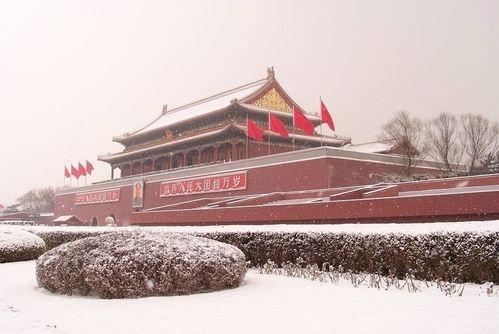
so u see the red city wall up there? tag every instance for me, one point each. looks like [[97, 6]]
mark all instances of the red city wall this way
[[325, 172]]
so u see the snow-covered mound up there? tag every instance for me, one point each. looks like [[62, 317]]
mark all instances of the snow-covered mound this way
[[140, 264], [19, 245]]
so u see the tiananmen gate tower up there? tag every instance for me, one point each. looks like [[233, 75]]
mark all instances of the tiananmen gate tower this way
[[200, 163], [214, 130]]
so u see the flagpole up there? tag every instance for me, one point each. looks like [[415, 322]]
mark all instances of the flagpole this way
[[269, 132], [320, 105], [247, 124], [293, 126]]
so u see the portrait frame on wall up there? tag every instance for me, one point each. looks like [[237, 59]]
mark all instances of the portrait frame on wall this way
[[138, 194]]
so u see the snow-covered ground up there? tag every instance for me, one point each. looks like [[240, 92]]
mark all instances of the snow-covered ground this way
[[263, 304], [414, 228]]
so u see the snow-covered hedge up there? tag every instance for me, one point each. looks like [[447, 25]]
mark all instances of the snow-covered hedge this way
[[19, 245], [55, 238], [140, 264], [449, 256], [458, 256]]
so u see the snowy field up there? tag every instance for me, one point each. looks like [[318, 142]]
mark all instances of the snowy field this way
[[263, 304], [414, 228]]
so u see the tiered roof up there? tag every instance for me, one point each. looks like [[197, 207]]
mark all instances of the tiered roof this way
[[262, 96]]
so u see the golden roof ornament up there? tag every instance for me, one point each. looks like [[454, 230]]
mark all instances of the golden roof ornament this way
[[270, 72], [272, 100]]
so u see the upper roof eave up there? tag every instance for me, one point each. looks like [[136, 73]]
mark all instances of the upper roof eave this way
[[116, 156], [124, 138]]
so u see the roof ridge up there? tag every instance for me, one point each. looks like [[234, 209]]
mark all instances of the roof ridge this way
[[197, 102]]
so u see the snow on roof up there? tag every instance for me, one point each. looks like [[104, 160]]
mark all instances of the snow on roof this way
[[202, 107], [64, 218], [113, 156], [372, 147]]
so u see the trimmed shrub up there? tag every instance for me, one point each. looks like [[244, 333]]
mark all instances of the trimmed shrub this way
[[452, 256], [55, 238], [19, 245], [140, 264]]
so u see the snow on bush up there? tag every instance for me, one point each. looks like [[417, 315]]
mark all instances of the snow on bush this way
[[19, 245], [448, 256], [55, 238], [140, 264]]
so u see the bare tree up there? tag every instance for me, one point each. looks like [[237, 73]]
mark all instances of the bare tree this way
[[406, 133], [479, 138], [442, 134], [37, 200]]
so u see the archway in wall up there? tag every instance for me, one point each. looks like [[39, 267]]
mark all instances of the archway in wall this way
[[93, 222]]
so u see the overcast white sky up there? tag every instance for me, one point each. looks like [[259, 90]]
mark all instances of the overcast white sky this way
[[75, 73]]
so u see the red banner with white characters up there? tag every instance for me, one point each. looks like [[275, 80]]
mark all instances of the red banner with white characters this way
[[204, 184], [103, 196]]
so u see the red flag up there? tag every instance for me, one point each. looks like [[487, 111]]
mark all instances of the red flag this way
[[66, 172], [254, 131], [75, 172], [89, 167], [276, 125], [81, 170], [326, 116], [302, 122]]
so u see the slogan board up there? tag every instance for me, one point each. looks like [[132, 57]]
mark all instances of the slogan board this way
[[204, 184], [103, 196]]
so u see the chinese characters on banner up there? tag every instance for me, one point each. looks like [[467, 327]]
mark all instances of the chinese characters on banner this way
[[206, 184], [103, 196]]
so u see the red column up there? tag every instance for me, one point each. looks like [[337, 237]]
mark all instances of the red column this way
[[234, 151]]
